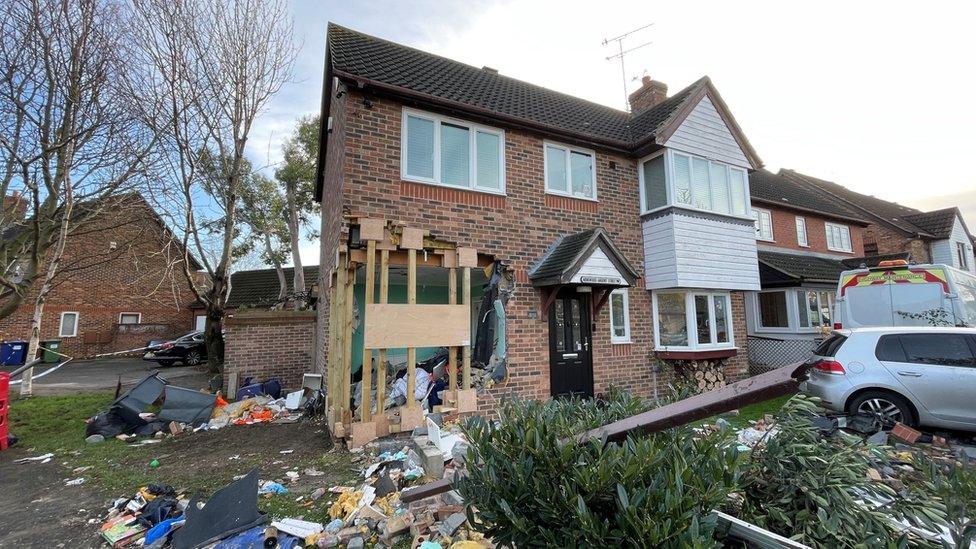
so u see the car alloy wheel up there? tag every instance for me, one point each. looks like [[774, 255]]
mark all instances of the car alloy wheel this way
[[192, 358], [887, 411]]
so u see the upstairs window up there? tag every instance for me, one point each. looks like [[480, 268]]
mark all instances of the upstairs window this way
[[764, 224], [838, 237], [452, 153], [962, 253], [130, 318], [570, 171], [801, 231], [694, 181]]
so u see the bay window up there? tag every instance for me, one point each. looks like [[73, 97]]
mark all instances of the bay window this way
[[452, 153], [692, 320], [813, 308], [794, 310], [838, 237], [773, 312], [619, 316], [673, 178], [570, 171]]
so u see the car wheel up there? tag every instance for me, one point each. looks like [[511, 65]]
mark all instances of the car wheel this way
[[192, 358], [889, 407]]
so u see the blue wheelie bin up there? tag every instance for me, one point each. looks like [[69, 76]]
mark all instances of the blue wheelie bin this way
[[13, 353]]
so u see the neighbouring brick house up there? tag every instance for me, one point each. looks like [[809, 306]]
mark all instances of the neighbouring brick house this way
[[938, 236], [120, 284], [653, 202]]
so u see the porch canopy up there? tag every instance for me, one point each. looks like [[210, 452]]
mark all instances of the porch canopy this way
[[588, 258], [784, 270]]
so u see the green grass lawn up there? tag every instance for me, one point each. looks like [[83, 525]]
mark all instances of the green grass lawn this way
[[191, 462], [756, 411]]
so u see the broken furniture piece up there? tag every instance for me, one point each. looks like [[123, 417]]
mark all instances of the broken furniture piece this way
[[232, 509]]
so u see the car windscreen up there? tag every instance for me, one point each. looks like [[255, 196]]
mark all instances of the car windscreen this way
[[966, 289], [830, 346]]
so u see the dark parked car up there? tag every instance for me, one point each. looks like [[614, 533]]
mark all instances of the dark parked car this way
[[189, 349]]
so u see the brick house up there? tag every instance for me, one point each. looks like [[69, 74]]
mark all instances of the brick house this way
[[120, 284], [938, 236], [651, 205]]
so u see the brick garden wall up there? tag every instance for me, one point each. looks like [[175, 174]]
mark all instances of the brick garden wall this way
[[141, 273], [516, 229], [267, 344]]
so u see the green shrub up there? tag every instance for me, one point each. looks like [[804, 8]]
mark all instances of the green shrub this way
[[955, 484], [529, 490], [808, 487]]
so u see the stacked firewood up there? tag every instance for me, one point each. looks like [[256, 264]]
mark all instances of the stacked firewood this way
[[704, 375]]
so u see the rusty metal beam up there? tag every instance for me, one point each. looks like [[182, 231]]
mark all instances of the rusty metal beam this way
[[779, 382]]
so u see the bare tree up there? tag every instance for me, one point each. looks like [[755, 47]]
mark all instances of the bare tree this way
[[71, 135], [216, 65]]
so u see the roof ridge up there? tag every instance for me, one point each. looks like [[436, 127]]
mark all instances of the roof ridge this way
[[627, 114]]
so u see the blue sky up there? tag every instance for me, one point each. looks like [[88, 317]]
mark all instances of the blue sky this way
[[872, 95]]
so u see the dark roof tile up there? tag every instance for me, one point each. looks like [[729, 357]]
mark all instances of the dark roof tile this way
[[777, 188], [259, 288], [938, 223], [806, 267]]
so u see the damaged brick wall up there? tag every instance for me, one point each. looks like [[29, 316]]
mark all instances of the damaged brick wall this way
[[266, 344], [120, 262], [517, 229]]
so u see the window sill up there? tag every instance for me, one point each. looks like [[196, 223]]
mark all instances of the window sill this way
[[451, 187], [621, 342], [686, 207], [840, 251], [692, 354], [573, 196], [765, 240]]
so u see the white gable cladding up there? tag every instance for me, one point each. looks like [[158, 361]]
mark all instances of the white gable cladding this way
[[944, 251], [704, 133], [688, 250], [598, 266]]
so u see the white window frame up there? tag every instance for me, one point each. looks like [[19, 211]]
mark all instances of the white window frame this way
[[828, 226], [801, 230], [802, 310], [472, 151], [670, 184], [790, 312], [626, 337], [757, 213], [962, 255], [569, 149], [138, 317], [690, 321], [61, 324]]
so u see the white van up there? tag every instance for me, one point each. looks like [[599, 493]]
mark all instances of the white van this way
[[898, 294]]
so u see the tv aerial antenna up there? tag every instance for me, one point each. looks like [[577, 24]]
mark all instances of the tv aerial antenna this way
[[621, 53]]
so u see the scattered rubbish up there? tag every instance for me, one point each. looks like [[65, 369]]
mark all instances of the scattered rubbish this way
[[230, 510], [298, 528], [154, 463], [905, 433], [121, 530], [95, 439], [42, 458], [75, 482], [293, 475], [286, 451], [258, 537], [272, 487]]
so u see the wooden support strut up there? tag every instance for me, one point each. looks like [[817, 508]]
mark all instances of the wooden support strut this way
[[466, 358], [411, 351], [452, 357], [332, 379], [381, 361], [366, 405], [347, 342]]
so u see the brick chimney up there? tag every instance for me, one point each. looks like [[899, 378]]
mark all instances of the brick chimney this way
[[649, 94], [14, 207]]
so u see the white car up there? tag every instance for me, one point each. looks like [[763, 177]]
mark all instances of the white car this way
[[915, 375]]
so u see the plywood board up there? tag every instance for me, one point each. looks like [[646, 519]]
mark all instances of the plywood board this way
[[467, 257], [412, 239], [372, 229], [394, 326]]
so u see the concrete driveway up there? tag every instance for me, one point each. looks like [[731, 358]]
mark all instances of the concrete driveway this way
[[99, 375]]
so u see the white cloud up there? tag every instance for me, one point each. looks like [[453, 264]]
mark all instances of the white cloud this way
[[872, 95]]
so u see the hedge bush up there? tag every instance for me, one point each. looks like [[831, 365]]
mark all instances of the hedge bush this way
[[527, 489]]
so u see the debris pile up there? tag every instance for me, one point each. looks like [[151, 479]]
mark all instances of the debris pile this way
[[374, 513], [185, 410]]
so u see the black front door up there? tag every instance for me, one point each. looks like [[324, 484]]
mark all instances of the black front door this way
[[570, 357]]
